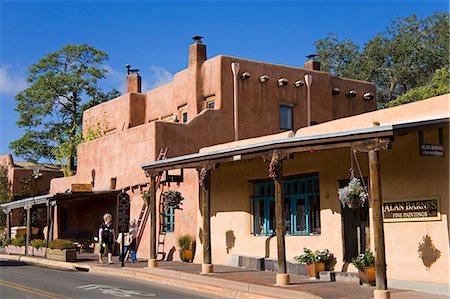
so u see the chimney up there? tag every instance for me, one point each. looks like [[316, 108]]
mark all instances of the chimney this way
[[197, 52], [133, 80], [312, 63]]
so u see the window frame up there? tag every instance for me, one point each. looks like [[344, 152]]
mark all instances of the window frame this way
[[169, 220], [291, 109], [310, 198]]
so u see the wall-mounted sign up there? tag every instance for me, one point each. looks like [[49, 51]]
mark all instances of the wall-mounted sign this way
[[436, 150], [423, 209], [81, 188]]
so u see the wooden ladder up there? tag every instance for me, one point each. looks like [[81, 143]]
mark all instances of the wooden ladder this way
[[143, 214], [162, 230]]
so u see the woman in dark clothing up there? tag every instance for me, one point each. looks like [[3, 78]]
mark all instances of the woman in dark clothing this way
[[106, 238]]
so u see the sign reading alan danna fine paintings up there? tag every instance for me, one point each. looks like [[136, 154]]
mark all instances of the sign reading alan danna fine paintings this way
[[423, 209]]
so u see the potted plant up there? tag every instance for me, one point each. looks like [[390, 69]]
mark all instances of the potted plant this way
[[365, 263], [172, 199], [15, 246], [61, 250], [309, 258], [184, 243], [354, 195], [325, 257], [38, 247]]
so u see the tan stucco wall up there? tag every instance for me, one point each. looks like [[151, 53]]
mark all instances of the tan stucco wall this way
[[404, 174]]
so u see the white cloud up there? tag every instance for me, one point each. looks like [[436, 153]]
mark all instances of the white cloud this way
[[159, 76], [10, 82]]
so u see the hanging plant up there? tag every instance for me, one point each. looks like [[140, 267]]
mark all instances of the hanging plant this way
[[274, 168], [172, 199], [202, 177], [146, 197], [354, 194]]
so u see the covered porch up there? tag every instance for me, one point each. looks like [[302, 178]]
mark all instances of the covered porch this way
[[272, 156], [75, 216]]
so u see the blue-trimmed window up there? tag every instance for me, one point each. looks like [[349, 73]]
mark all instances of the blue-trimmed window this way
[[301, 206], [169, 220]]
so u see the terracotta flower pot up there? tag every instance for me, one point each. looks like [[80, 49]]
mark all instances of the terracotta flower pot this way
[[315, 268], [186, 255], [367, 275]]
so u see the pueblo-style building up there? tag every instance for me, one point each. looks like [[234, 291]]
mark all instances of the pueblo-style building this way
[[214, 132], [195, 110]]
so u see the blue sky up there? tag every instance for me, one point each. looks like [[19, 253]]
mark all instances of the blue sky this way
[[154, 36]]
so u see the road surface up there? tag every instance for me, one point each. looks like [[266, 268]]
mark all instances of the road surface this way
[[20, 280]]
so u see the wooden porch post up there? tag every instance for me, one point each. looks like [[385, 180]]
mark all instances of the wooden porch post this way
[[372, 147], [27, 242], [204, 190], [8, 223], [276, 173], [377, 214], [153, 261], [51, 228]]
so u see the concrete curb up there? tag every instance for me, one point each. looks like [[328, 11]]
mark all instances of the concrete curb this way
[[207, 284]]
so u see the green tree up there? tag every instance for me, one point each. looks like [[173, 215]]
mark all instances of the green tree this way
[[62, 85], [6, 194], [439, 85], [403, 57]]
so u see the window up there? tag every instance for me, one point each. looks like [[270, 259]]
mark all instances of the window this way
[[286, 117], [169, 220], [301, 206], [183, 113], [210, 102]]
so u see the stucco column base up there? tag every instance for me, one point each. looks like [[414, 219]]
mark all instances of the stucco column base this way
[[152, 263], [381, 294], [283, 279], [207, 269]]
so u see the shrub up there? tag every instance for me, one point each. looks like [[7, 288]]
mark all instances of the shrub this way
[[184, 241], [61, 244], [364, 260], [307, 257], [324, 256], [37, 243], [5, 242], [18, 242]]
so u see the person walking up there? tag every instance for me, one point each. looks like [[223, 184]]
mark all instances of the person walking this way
[[129, 242], [106, 238], [133, 240]]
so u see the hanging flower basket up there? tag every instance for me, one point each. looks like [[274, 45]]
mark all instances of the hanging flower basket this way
[[354, 195], [172, 199]]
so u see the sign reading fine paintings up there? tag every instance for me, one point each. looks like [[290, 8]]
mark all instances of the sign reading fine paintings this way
[[424, 209]]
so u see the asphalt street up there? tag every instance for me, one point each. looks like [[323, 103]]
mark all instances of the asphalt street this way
[[20, 280]]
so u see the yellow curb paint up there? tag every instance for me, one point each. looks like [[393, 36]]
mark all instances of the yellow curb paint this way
[[31, 290]]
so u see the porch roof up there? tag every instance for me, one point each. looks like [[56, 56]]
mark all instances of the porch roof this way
[[44, 199], [240, 150], [328, 140]]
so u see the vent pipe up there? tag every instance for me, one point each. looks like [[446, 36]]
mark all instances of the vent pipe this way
[[235, 67]]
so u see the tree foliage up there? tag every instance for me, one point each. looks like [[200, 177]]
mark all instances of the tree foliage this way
[[438, 86], [404, 56], [62, 85], [6, 194]]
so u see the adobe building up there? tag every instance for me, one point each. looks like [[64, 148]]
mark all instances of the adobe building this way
[[402, 155], [28, 179], [193, 111]]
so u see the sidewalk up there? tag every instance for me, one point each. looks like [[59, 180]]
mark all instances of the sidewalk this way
[[228, 282]]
